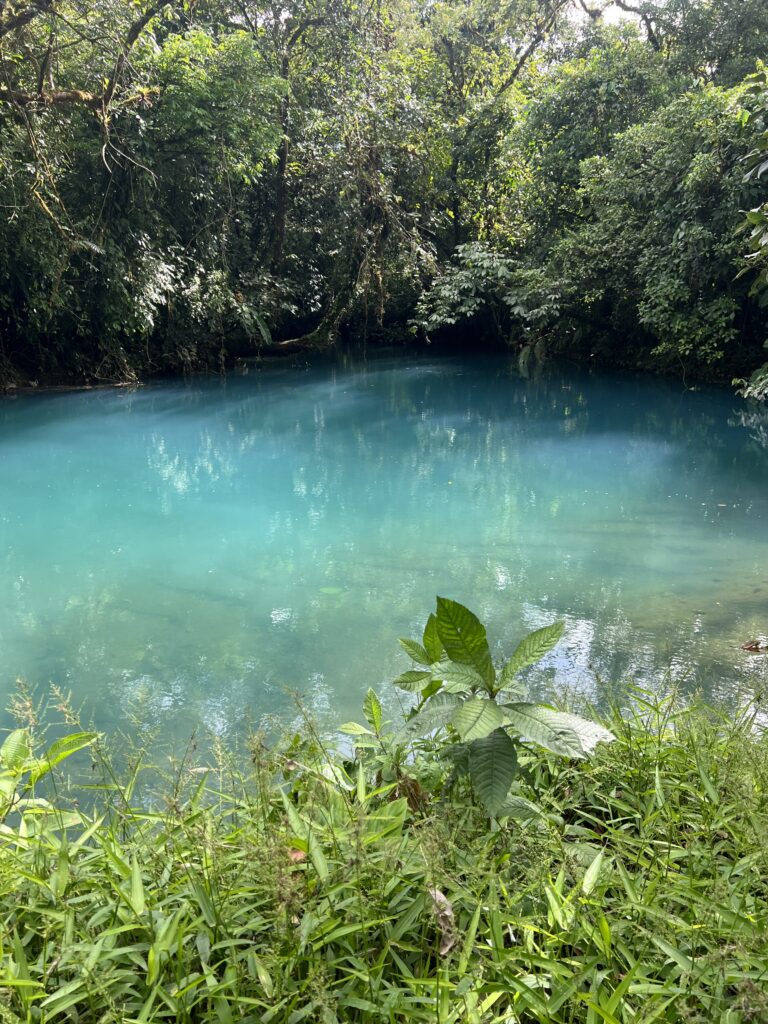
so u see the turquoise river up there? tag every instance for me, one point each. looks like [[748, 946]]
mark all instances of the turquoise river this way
[[189, 555]]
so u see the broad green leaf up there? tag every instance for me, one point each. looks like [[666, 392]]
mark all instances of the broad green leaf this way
[[372, 711], [432, 687], [354, 729], [458, 678], [307, 926], [520, 809], [36, 805], [706, 782], [682, 960], [38, 817], [464, 638], [531, 649], [60, 750], [562, 733], [204, 900], [333, 772], [661, 796], [412, 680], [492, 768], [477, 717], [434, 715], [15, 750], [63, 998], [203, 946], [264, 976], [432, 643], [415, 651]]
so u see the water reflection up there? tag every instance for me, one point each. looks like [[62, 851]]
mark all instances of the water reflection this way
[[186, 554]]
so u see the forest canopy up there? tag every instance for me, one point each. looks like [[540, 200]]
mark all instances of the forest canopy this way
[[186, 183]]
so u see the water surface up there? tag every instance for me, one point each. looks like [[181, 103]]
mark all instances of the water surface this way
[[188, 553]]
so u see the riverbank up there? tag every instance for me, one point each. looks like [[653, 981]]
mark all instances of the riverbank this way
[[468, 341], [313, 887]]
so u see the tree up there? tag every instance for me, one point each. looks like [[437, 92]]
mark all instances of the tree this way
[[41, 33], [185, 181], [656, 254], [124, 225], [757, 218]]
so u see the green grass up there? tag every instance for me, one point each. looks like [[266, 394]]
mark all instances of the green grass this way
[[311, 888]]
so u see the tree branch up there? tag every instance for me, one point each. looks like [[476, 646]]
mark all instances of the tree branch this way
[[133, 34], [594, 13], [57, 97], [95, 101], [23, 18], [46, 66], [527, 52], [301, 29], [646, 19]]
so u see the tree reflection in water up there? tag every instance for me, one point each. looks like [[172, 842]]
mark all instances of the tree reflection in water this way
[[186, 552]]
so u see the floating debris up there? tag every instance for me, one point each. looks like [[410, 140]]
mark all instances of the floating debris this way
[[755, 646]]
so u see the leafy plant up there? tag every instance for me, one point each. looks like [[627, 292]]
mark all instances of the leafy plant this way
[[21, 769], [301, 886], [487, 725], [756, 220]]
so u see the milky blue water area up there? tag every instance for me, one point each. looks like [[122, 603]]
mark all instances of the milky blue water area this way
[[189, 553]]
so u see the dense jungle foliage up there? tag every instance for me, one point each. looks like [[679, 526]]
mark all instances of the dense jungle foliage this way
[[188, 182]]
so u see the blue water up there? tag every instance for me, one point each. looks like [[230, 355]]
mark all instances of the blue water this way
[[187, 554]]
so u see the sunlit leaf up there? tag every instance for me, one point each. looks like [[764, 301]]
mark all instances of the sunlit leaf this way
[[531, 649], [354, 729], [476, 717], [432, 643], [458, 678], [413, 680], [464, 638], [434, 715], [558, 731], [15, 750], [415, 651], [372, 711], [60, 750]]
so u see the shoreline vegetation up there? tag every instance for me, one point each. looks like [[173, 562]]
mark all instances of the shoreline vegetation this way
[[455, 866]]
